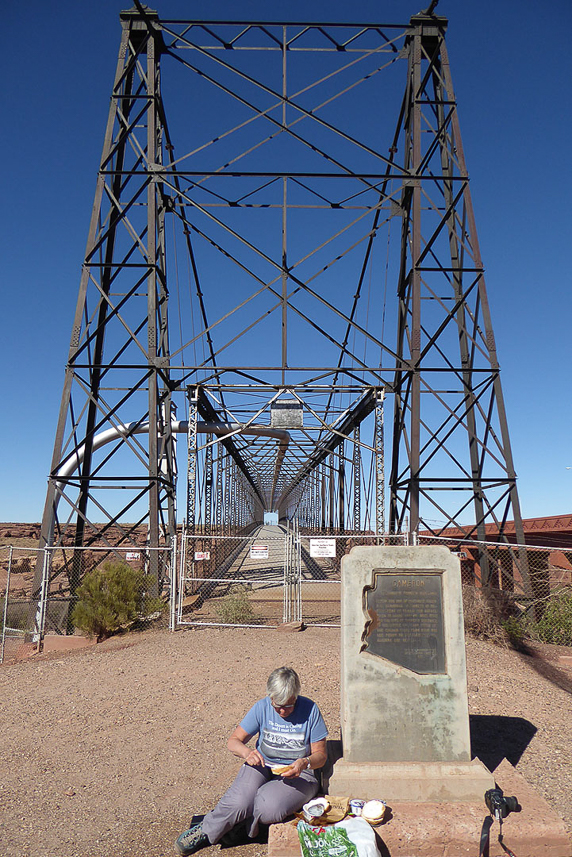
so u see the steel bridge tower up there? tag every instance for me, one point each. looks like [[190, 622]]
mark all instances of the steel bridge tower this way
[[282, 239]]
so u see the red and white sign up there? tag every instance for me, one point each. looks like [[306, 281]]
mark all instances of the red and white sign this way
[[322, 547], [258, 551], [130, 556], [202, 554]]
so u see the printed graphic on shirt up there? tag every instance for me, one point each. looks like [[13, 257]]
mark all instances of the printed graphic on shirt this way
[[285, 746]]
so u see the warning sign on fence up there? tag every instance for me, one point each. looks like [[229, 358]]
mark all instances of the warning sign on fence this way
[[322, 547], [202, 554], [131, 556], [258, 551]]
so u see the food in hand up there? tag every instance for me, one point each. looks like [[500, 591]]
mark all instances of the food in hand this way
[[280, 769]]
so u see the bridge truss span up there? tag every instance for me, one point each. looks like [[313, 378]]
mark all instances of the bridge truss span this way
[[282, 240]]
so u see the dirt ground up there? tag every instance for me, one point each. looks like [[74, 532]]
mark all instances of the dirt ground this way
[[111, 750]]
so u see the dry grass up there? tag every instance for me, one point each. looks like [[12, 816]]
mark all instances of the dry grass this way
[[486, 614]]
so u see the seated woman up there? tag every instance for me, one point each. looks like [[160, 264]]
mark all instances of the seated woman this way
[[291, 732]]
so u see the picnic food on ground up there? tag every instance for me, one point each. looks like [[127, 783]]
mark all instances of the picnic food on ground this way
[[316, 808], [323, 802], [373, 811]]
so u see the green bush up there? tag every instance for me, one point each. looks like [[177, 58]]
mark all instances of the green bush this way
[[555, 626], [516, 629], [235, 608], [111, 597]]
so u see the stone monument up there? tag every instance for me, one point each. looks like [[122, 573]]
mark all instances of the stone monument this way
[[405, 721]]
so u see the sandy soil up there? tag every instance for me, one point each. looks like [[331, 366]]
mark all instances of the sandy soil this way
[[110, 750]]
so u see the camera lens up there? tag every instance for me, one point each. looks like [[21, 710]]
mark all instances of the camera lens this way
[[512, 805]]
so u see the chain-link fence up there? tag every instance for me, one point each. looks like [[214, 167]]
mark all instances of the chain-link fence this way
[[527, 589], [93, 591], [273, 575], [17, 567], [276, 574]]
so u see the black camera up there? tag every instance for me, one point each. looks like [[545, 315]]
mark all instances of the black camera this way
[[499, 805]]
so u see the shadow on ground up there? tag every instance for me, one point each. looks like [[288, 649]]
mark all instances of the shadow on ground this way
[[558, 676], [494, 738]]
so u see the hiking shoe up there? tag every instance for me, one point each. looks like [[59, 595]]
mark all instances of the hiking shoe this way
[[191, 840]]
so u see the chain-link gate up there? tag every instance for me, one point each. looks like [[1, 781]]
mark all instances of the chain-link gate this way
[[276, 574], [292, 611], [321, 563], [238, 580]]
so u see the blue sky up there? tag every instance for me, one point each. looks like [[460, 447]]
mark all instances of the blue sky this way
[[511, 68]]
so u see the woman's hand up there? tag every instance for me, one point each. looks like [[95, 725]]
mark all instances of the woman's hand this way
[[254, 758], [295, 768], [237, 745], [316, 759]]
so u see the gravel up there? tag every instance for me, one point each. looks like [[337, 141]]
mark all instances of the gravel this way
[[111, 750]]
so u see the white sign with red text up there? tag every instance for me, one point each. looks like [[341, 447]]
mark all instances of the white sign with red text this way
[[258, 551]]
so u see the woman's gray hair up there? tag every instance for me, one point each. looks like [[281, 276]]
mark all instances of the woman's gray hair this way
[[283, 683]]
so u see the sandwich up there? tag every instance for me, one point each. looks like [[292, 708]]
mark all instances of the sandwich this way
[[280, 769], [373, 811]]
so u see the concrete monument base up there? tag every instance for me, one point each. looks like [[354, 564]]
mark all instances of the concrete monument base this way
[[411, 781]]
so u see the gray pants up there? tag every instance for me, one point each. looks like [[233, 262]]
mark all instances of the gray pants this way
[[256, 796]]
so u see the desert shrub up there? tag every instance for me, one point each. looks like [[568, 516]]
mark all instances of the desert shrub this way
[[235, 608], [110, 597], [488, 615], [516, 630], [555, 626]]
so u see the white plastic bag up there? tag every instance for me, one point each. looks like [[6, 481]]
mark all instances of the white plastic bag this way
[[352, 837]]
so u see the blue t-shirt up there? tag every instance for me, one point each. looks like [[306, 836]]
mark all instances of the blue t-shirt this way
[[282, 740]]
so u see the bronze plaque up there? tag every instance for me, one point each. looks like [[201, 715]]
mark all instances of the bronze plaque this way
[[405, 623]]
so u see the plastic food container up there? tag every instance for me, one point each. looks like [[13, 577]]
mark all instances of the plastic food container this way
[[314, 809], [356, 806]]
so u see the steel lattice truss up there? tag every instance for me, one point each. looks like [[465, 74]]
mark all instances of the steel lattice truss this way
[[264, 192]]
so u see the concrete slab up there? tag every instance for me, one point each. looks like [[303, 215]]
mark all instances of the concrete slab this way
[[404, 680], [405, 717], [63, 643], [412, 781], [56, 643], [453, 829]]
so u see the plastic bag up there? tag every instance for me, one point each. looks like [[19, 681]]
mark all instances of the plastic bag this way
[[352, 837]]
